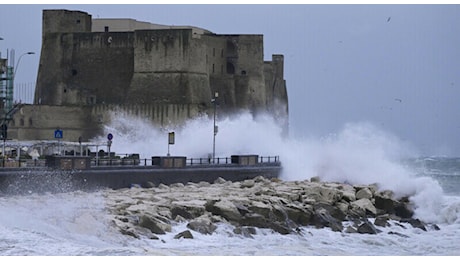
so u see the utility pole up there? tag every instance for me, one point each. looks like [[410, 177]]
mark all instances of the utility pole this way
[[214, 101]]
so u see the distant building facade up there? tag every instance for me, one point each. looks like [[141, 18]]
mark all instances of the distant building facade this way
[[168, 74]]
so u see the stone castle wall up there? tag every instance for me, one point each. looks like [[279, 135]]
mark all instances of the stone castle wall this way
[[172, 68]]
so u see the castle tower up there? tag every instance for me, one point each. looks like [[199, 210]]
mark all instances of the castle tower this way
[[168, 74]]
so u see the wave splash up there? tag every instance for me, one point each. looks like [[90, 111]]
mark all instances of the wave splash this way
[[360, 153]]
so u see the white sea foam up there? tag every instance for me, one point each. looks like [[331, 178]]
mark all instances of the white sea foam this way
[[44, 224], [360, 153], [76, 223]]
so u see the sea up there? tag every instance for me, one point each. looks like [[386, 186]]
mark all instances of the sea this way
[[78, 223]]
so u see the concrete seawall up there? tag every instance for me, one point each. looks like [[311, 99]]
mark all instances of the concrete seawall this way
[[32, 180]]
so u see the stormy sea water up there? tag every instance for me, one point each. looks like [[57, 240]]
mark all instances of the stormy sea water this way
[[77, 223]]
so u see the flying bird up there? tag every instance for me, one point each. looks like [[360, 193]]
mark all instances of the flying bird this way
[[399, 100], [389, 18]]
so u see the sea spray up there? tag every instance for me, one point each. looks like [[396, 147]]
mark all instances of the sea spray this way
[[46, 222], [360, 153]]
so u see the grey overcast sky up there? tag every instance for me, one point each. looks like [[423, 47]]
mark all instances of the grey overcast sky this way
[[396, 66]]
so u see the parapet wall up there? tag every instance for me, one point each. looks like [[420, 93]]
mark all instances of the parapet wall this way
[[38, 122]]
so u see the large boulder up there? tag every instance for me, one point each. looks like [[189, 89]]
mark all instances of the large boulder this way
[[367, 228], [299, 214], [260, 207], [348, 192], [202, 226], [384, 201], [366, 205], [154, 224], [364, 193], [245, 231], [188, 209], [416, 223], [382, 221], [327, 216], [184, 234], [224, 208], [321, 193], [403, 209]]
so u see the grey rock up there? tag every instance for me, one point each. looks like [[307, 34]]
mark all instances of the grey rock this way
[[220, 180], [315, 179], [416, 223], [245, 231], [323, 218], [201, 226], [184, 234], [367, 228], [364, 193], [382, 221], [398, 234], [151, 224]]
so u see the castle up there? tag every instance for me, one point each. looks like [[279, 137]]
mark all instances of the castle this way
[[168, 74]]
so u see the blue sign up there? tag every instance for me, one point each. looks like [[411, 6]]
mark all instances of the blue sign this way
[[110, 137], [58, 134]]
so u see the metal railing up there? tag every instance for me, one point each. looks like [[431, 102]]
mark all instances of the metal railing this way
[[104, 161], [228, 160]]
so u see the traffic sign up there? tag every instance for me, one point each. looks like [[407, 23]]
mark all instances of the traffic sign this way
[[171, 138], [58, 134], [110, 136]]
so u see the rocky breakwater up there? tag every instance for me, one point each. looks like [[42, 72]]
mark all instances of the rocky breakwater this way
[[283, 206]]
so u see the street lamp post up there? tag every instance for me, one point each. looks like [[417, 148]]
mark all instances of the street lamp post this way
[[214, 101], [8, 88], [19, 60]]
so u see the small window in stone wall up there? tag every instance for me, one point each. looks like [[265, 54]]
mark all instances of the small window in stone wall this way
[[230, 68], [213, 68], [78, 21], [243, 72], [30, 121], [21, 122], [222, 53], [74, 72], [92, 100]]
